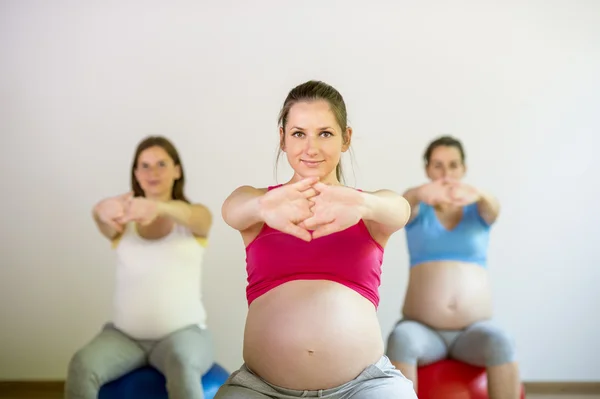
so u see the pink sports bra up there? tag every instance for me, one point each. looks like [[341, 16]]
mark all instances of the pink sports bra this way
[[350, 257]]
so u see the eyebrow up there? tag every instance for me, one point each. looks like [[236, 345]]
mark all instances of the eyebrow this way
[[146, 162], [321, 128]]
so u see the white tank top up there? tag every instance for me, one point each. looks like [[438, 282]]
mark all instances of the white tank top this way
[[158, 283]]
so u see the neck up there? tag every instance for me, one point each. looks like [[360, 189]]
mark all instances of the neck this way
[[159, 197], [446, 207]]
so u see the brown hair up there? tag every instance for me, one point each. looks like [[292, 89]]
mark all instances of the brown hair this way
[[165, 144], [315, 90], [444, 141]]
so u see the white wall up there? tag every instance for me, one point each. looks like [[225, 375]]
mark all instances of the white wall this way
[[82, 82]]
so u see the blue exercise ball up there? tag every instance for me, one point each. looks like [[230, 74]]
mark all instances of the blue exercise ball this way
[[149, 383]]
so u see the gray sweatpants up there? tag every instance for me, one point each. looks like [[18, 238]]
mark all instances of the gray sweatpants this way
[[182, 357], [377, 381], [481, 344]]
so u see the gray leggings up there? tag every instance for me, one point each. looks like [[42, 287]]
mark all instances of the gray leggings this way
[[481, 344], [377, 381], [182, 357]]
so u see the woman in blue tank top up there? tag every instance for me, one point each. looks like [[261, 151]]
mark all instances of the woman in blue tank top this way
[[448, 305]]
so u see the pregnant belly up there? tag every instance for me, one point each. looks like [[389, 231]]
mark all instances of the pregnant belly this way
[[448, 295], [310, 335]]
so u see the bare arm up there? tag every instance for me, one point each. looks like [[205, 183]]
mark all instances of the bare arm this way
[[412, 197], [107, 212], [386, 212], [109, 230], [488, 207], [241, 210], [195, 216]]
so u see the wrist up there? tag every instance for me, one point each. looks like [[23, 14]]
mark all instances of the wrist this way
[[163, 207]]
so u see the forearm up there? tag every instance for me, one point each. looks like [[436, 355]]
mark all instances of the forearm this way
[[386, 208], [197, 217], [412, 196], [108, 230], [488, 206], [241, 210]]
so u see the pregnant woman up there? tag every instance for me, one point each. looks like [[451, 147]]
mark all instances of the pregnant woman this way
[[448, 305]]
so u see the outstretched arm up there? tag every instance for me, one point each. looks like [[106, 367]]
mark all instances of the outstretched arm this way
[[109, 229], [195, 216], [241, 210], [107, 214], [386, 211], [413, 198], [488, 207]]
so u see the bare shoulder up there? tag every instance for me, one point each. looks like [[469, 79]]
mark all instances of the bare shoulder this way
[[199, 205], [246, 189]]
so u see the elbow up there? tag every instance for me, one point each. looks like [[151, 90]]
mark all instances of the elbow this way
[[405, 212], [228, 214], [225, 213]]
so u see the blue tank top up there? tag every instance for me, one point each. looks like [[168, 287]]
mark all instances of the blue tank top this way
[[428, 240]]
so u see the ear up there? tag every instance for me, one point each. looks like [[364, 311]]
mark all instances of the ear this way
[[177, 172], [281, 139], [346, 139]]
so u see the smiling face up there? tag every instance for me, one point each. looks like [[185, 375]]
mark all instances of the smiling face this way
[[156, 173], [313, 140]]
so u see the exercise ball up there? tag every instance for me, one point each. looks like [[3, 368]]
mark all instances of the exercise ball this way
[[149, 383], [452, 379]]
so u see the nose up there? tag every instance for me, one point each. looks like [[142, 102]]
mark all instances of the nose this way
[[153, 170], [312, 147]]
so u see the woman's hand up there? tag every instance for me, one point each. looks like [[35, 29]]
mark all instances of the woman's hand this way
[[463, 194], [285, 207], [437, 192], [335, 209], [111, 210], [140, 210]]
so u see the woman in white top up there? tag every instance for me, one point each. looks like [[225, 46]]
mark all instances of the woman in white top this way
[[158, 317]]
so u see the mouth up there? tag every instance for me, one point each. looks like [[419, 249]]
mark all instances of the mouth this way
[[153, 183], [311, 164]]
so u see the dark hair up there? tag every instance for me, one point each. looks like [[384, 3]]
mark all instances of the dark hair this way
[[444, 141], [165, 144], [315, 90]]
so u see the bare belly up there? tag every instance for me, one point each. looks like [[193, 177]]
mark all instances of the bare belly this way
[[448, 295], [311, 335]]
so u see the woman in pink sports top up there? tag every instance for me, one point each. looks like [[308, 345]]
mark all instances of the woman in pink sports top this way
[[305, 335]]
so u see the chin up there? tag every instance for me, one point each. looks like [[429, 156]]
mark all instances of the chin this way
[[311, 173], [154, 192]]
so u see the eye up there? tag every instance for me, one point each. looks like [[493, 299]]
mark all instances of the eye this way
[[297, 134], [326, 134], [162, 164]]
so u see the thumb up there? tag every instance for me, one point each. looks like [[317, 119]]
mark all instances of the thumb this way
[[305, 183], [320, 187]]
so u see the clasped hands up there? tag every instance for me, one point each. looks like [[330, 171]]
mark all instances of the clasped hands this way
[[448, 191], [309, 209], [120, 210]]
